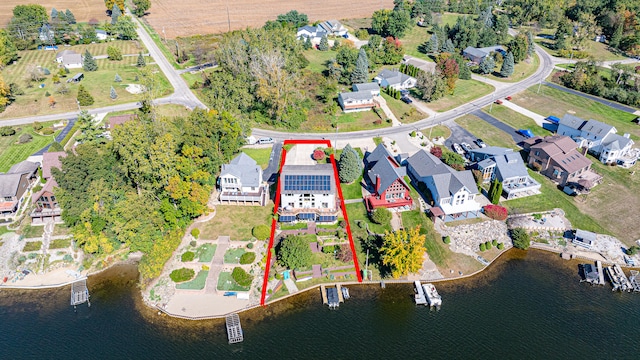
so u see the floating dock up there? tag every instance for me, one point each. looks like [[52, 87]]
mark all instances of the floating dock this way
[[618, 278], [600, 272], [234, 329], [633, 279], [79, 293], [420, 297], [592, 274]]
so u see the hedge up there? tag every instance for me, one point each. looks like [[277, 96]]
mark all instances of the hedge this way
[[241, 277], [188, 256], [247, 258], [181, 275], [195, 232]]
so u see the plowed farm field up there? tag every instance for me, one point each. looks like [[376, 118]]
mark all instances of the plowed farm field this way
[[82, 10], [193, 17]]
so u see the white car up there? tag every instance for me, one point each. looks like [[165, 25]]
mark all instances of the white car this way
[[458, 149], [265, 140]]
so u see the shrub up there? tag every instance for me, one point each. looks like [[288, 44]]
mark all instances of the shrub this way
[[482, 247], [193, 243], [195, 232], [329, 249], [413, 133], [344, 253], [37, 126], [520, 238], [495, 212], [241, 277], [436, 151], [381, 216], [261, 232], [25, 138], [488, 245], [188, 256], [247, 258], [250, 245], [500, 246], [340, 234], [447, 239], [633, 250], [318, 155], [7, 131], [47, 131], [270, 291], [181, 275], [494, 242]]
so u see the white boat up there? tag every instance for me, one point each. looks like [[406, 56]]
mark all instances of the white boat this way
[[433, 298]]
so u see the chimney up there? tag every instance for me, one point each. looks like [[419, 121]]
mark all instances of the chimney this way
[[378, 184]]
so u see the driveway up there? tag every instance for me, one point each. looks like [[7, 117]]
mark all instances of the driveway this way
[[458, 135], [500, 125], [269, 174], [60, 136]]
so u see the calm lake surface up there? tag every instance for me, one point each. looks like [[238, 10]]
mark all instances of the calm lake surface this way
[[529, 305]]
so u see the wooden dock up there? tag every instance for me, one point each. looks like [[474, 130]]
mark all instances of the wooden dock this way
[[340, 295], [234, 329], [332, 295], [323, 291], [79, 293], [600, 272], [633, 279]]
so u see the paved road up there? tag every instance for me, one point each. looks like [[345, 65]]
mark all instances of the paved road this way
[[499, 124], [269, 174], [609, 103]]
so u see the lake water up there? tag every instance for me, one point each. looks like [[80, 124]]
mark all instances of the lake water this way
[[527, 305]]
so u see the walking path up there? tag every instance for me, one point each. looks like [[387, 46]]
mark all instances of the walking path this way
[[291, 286], [387, 112], [217, 263]]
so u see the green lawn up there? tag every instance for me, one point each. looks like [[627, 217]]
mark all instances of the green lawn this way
[[353, 190], [232, 256], [226, 283], [598, 51], [552, 198], [515, 119], [32, 246], [32, 231], [521, 71], [11, 152], [261, 156], [465, 91], [361, 120], [403, 112], [318, 58], [437, 131], [413, 38], [296, 226], [236, 221], [60, 244], [357, 212], [197, 283], [205, 252], [4, 230], [490, 134], [551, 101]]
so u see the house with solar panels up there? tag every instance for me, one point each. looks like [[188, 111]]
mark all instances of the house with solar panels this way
[[308, 193]]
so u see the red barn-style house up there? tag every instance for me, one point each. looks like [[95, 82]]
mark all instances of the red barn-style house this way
[[385, 180]]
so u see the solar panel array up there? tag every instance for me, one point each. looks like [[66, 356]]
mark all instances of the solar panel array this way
[[307, 183]]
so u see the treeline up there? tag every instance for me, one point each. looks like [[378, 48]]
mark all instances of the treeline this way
[[622, 84], [143, 188]]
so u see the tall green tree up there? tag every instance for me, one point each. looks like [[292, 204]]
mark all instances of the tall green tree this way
[[25, 24], [391, 22], [495, 191], [71, 19], [84, 97], [114, 53], [141, 62], [403, 251], [141, 7], [531, 49], [113, 94], [115, 14], [126, 28], [324, 43], [487, 65], [293, 19], [519, 47], [507, 65], [520, 238], [501, 28], [89, 129], [563, 34], [54, 13], [360, 73], [89, 63], [447, 46], [349, 165], [8, 51], [294, 252], [434, 44]]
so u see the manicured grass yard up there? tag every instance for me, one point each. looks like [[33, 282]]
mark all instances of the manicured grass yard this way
[[32, 246], [60, 244], [490, 134], [205, 252], [353, 190], [232, 256], [11, 152], [226, 283], [357, 212], [465, 91], [551, 101], [33, 231], [515, 119], [261, 156], [197, 283], [521, 71], [437, 131], [405, 113], [236, 221], [4, 230], [598, 51], [361, 120], [318, 58], [413, 38]]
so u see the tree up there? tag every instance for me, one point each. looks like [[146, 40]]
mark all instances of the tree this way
[[117, 78], [307, 43], [141, 62], [434, 44], [294, 252], [52, 102], [54, 13], [452, 159], [84, 98], [391, 22], [361, 72], [487, 65], [431, 86], [109, 4], [349, 165], [486, 17], [126, 28], [8, 51], [26, 23], [115, 14], [241, 277], [450, 70], [293, 19], [495, 191], [89, 130], [71, 19], [381, 216], [520, 238], [141, 7], [89, 62], [113, 94], [507, 66], [614, 41], [403, 251], [324, 43], [564, 31], [5, 93], [261, 232], [519, 47], [447, 46], [532, 45], [114, 53], [501, 28]]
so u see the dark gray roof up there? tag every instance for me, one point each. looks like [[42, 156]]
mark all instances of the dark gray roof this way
[[387, 172], [380, 152], [318, 169], [584, 236], [616, 142], [597, 128], [571, 121], [475, 52], [357, 95], [366, 86], [492, 150], [447, 180], [9, 184], [244, 168], [24, 167], [308, 28], [393, 76]]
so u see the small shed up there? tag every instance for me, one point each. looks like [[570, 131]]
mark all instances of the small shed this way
[[77, 77], [583, 238]]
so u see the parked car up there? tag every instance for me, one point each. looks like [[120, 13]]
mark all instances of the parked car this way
[[456, 147], [508, 98], [525, 132], [404, 92], [466, 147], [346, 36], [265, 140], [480, 143], [553, 119], [406, 99], [499, 102]]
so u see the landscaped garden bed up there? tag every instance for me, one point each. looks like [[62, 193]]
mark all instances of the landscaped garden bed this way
[[226, 283], [232, 256], [197, 283]]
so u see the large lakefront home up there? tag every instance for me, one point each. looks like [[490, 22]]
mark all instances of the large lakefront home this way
[[385, 180], [308, 193], [452, 192], [240, 182], [45, 202], [599, 138], [556, 157], [506, 166], [14, 186]]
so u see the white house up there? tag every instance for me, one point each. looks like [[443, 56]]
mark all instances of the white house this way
[[308, 193], [453, 192], [101, 34], [315, 33], [240, 181], [372, 87], [69, 59], [395, 79], [333, 27], [356, 101], [426, 66]]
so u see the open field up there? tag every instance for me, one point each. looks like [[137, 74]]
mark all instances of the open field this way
[[416, 35], [521, 71], [318, 58], [216, 16], [598, 51], [490, 134], [465, 91], [82, 10], [235, 221], [515, 119], [11, 152], [551, 101]]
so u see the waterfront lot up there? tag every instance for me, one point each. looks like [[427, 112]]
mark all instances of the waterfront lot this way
[[490, 134], [236, 221]]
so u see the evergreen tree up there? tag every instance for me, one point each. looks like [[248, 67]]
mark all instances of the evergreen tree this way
[[465, 72], [113, 94], [495, 191], [507, 66], [324, 43], [117, 78], [486, 18], [361, 73], [54, 13], [532, 45], [141, 62], [434, 44], [84, 98], [448, 46], [487, 64], [115, 14], [71, 19], [307, 44], [89, 62], [614, 42], [349, 165]]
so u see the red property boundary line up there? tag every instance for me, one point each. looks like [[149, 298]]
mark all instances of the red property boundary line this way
[[327, 143]]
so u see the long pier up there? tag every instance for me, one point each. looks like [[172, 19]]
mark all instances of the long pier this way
[[234, 329], [600, 272]]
